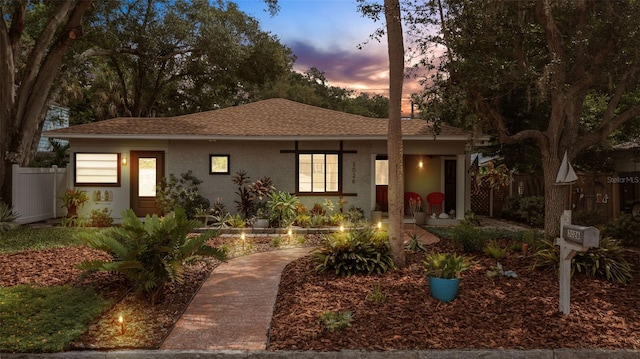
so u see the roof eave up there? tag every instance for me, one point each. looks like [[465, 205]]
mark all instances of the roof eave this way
[[67, 136]]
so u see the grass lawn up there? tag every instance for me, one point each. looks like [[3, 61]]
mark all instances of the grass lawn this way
[[26, 238], [44, 319]]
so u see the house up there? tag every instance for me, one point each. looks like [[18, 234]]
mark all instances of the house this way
[[309, 151], [56, 117]]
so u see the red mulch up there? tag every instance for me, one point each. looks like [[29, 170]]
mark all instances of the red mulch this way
[[488, 313], [516, 313]]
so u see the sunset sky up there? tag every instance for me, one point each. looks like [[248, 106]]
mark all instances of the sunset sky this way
[[326, 34]]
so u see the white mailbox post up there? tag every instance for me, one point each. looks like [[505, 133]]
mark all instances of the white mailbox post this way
[[573, 239]]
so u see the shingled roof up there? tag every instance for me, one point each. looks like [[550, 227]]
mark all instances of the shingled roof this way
[[267, 119]]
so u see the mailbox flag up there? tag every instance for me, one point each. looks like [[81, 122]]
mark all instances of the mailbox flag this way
[[566, 174]]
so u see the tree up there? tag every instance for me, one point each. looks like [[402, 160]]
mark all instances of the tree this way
[[395, 41], [162, 58], [526, 70], [31, 53], [312, 88]]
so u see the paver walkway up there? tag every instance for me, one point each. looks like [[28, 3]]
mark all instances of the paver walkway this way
[[233, 308]]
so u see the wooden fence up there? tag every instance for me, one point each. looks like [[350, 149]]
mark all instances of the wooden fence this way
[[592, 193], [35, 192]]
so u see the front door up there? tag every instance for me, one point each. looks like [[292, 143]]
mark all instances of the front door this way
[[450, 180], [147, 169]]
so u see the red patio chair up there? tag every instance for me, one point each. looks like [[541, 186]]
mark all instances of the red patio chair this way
[[435, 199]]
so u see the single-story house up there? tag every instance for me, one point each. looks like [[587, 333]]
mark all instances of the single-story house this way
[[312, 152]]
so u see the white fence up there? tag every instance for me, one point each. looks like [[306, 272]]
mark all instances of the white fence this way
[[35, 192]]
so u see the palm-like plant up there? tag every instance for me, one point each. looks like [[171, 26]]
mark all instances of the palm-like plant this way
[[151, 253], [7, 218], [283, 207]]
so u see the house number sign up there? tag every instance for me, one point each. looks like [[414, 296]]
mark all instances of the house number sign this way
[[353, 173]]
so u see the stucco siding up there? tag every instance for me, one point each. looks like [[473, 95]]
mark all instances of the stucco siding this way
[[120, 199]]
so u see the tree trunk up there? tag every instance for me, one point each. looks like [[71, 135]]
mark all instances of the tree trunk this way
[[555, 196], [22, 112], [394, 140]]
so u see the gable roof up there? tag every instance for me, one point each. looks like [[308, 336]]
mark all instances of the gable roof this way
[[273, 119]]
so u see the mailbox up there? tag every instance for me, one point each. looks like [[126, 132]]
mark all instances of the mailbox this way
[[586, 236]]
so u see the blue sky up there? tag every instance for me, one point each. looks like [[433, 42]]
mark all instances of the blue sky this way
[[326, 34]]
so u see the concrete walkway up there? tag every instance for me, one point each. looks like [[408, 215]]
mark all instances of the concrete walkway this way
[[233, 308]]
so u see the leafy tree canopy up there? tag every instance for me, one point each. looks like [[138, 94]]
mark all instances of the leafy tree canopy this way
[[550, 76]]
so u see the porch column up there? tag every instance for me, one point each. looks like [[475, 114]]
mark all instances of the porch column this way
[[461, 180]]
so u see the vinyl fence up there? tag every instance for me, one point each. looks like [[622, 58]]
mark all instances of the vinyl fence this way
[[35, 192]]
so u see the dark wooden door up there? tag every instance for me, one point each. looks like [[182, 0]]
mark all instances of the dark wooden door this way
[[450, 179], [147, 170]]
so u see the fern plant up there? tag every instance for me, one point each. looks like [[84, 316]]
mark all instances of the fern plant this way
[[7, 218], [150, 253], [360, 250]]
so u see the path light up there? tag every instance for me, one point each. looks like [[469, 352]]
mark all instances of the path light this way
[[290, 233], [379, 224], [242, 239], [342, 228], [121, 321]]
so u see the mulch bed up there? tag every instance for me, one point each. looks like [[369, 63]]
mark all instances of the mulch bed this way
[[520, 313], [515, 313]]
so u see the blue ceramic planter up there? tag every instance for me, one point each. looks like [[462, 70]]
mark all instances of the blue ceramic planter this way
[[444, 290]]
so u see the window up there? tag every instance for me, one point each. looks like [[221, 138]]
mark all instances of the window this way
[[382, 172], [97, 169], [318, 172], [219, 164]]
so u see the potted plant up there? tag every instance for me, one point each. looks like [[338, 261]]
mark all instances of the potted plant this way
[[443, 270], [376, 214], [418, 214], [72, 199]]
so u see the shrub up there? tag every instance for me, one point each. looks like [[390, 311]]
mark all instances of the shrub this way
[[303, 220], [7, 218], [587, 218], [624, 228], [529, 210], [494, 250], [354, 214], [333, 321], [413, 244], [469, 237], [337, 219], [446, 265], [252, 195], [283, 207], [607, 261], [151, 253], [101, 218], [376, 295], [317, 220], [181, 192], [360, 250]]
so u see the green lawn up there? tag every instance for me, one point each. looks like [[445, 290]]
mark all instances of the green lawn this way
[[44, 319], [26, 238]]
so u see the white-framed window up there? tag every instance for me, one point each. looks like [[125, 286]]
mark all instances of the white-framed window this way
[[318, 172], [97, 169]]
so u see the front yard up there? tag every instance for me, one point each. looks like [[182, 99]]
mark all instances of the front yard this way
[[389, 311]]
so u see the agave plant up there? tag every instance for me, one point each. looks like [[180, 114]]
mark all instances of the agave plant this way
[[151, 253], [7, 218]]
